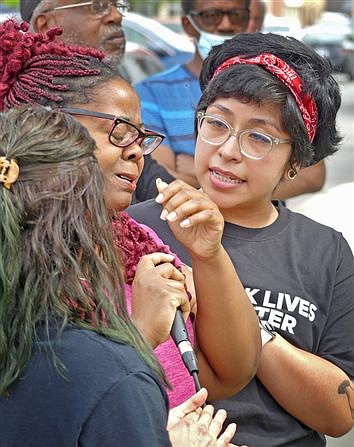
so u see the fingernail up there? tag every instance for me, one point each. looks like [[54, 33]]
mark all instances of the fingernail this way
[[160, 184], [164, 214], [185, 223], [232, 426], [171, 217], [159, 198]]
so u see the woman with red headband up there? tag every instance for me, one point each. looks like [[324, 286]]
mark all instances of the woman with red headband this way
[[268, 108]]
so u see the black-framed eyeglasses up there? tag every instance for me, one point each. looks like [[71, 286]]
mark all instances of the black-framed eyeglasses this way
[[253, 144], [123, 133], [99, 7], [213, 16]]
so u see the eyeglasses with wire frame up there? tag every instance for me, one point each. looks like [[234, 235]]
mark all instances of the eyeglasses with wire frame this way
[[253, 144], [213, 16], [123, 133], [99, 7]]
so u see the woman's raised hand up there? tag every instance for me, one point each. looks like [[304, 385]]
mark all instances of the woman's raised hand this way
[[192, 216]]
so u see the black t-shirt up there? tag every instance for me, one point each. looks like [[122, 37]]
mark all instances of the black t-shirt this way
[[146, 187], [299, 275], [107, 397]]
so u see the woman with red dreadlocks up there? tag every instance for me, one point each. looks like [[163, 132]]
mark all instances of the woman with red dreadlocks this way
[[35, 68], [268, 108]]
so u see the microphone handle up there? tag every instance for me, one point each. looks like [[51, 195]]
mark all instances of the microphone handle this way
[[180, 336]]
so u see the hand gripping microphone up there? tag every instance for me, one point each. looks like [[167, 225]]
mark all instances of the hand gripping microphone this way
[[180, 336]]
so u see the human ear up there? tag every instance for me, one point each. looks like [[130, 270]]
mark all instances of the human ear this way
[[189, 28], [43, 22]]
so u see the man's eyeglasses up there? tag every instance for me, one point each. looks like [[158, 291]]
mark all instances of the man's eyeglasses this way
[[99, 7], [253, 144], [213, 17], [123, 133]]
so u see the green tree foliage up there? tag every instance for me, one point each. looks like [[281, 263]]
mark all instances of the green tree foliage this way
[[10, 4]]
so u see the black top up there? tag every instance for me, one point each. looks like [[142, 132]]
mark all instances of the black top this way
[[299, 275], [146, 187], [108, 398]]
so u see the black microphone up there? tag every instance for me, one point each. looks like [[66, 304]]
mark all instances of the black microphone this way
[[180, 336]]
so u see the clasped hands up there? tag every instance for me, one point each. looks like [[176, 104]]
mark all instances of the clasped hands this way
[[191, 426]]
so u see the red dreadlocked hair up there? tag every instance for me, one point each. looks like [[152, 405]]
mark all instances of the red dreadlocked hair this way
[[24, 69]]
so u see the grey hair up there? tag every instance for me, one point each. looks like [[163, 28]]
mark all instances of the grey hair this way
[[42, 6]]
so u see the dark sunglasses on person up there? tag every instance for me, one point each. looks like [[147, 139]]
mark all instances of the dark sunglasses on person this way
[[213, 16], [99, 7], [123, 133]]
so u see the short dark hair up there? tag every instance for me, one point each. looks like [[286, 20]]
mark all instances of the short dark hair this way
[[255, 84], [188, 5]]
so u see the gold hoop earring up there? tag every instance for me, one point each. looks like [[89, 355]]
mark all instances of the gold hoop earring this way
[[291, 174]]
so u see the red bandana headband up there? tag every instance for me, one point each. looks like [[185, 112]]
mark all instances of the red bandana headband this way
[[288, 77]]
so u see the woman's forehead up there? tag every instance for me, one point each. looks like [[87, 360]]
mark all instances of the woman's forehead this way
[[117, 97]]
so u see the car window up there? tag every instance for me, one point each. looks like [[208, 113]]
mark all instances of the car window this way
[[155, 45], [139, 66]]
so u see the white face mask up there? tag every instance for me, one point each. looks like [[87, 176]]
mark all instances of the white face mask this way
[[208, 40]]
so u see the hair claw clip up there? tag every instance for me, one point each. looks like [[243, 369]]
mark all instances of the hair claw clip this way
[[9, 172]]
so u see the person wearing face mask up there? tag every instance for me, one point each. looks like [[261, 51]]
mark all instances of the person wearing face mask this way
[[169, 99]]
